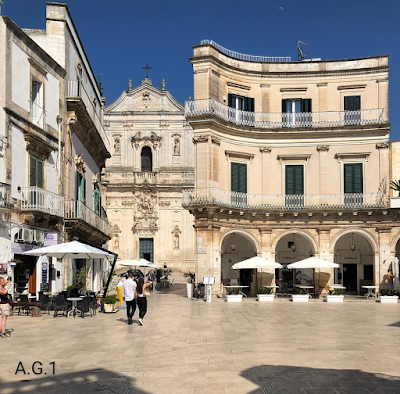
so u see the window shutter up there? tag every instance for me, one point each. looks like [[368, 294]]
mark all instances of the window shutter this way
[[84, 188], [96, 201], [294, 180], [32, 171], [352, 103], [242, 178], [289, 189], [77, 185], [305, 105], [284, 106], [230, 100], [358, 178], [353, 178], [348, 178], [357, 103], [249, 104], [39, 176], [234, 177]]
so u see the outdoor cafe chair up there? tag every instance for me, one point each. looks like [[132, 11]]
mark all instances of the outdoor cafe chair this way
[[25, 309], [44, 299], [61, 304], [84, 306], [93, 306]]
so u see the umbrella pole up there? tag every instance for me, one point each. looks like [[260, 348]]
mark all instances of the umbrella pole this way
[[109, 279]]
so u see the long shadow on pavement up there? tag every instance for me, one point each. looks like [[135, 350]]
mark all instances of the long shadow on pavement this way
[[280, 379], [90, 381]]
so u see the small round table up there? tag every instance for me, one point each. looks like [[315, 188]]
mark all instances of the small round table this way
[[74, 309], [370, 289]]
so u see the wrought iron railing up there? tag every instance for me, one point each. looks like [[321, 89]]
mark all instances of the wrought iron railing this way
[[78, 210], [34, 198], [76, 89], [276, 120], [5, 195], [38, 115], [236, 200], [243, 56]]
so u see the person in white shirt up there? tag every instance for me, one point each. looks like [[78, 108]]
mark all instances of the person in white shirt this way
[[128, 294]]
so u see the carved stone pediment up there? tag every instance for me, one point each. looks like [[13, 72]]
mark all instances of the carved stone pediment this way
[[37, 147], [152, 139]]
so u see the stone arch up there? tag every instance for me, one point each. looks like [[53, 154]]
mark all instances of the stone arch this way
[[373, 243], [146, 159], [394, 242], [246, 234], [284, 233]]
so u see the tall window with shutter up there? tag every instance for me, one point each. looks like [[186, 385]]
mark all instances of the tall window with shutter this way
[[97, 202], [36, 179], [239, 184], [245, 109], [297, 113], [294, 186], [352, 108], [80, 187], [353, 185]]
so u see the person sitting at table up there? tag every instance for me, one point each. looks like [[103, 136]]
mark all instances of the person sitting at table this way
[[75, 291], [284, 285], [303, 279], [81, 291]]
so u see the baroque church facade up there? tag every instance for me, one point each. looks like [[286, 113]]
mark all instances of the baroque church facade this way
[[152, 162]]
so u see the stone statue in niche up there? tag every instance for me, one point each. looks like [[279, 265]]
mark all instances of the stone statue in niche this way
[[177, 148], [116, 241], [176, 241], [117, 146]]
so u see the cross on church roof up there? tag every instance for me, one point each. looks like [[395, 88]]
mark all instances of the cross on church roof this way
[[147, 68]]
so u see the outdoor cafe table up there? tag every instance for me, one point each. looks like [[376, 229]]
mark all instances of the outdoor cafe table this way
[[271, 286], [370, 289], [74, 309], [338, 287], [304, 286], [234, 286]]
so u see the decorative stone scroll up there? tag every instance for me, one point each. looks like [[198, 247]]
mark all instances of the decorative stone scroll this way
[[323, 148], [265, 149], [153, 139], [382, 145], [80, 164], [200, 139], [215, 140]]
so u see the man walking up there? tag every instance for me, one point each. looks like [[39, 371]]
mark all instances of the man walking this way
[[5, 306], [128, 294]]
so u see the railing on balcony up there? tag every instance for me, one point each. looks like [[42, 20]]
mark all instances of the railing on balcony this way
[[243, 56], [5, 195], [284, 120], [38, 115], [37, 199], [78, 210], [235, 200], [76, 89]]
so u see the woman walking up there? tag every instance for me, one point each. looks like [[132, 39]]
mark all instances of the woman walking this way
[[141, 300]]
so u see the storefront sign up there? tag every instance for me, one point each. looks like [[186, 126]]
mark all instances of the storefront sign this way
[[201, 250], [44, 287], [348, 257], [50, 239], [287, 257], [45, 269]]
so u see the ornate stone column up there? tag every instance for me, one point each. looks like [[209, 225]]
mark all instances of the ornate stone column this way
[[324, 277]]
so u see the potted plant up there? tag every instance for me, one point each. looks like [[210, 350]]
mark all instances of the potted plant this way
[[234, 294], [190, 283], [335, 295], [300, 295], [395, 201], [265, 294], [109, 302], [385, 298]]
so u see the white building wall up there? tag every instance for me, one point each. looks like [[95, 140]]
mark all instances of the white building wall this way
[[20, 78], [19, 169], [51, 173], [51, 100]]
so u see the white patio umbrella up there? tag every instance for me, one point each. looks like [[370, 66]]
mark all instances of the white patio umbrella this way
[[256, 262], [70, 250], [137, 263], [312, 262]]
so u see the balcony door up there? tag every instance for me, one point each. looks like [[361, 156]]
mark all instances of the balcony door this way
[[296, 113], [353, 185], [239, 184], [294, 186], [36, 179], [241, 103], [352, 108]]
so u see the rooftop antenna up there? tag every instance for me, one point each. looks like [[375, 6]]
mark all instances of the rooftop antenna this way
[[99, 84], [300, 54]]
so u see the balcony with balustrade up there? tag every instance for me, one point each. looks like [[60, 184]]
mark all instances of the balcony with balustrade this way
[[82, 221], [224, 199], [267, 122], [5, 195], [41, 207]]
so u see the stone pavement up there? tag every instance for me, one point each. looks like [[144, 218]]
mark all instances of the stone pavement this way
[[190, 347]]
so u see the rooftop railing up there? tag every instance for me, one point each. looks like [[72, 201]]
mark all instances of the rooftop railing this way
[[243, 56], [276, 120], [34, 198], [247, 201], [78, 210], [76, 89]]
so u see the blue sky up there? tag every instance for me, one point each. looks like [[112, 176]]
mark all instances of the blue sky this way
[[121, 36]]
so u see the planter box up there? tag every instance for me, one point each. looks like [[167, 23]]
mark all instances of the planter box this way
[[190, 289], [109, 308], [234, 298], [334, 298], [265, 297], [300, 297], [394, 202], [389, 299]]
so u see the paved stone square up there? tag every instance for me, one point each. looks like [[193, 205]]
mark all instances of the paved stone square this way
[[190, 347]]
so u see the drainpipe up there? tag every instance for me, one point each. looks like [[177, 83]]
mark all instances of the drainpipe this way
[[59, 120]]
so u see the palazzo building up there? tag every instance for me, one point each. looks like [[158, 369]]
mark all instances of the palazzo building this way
[[291, 161], [152, 162]]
